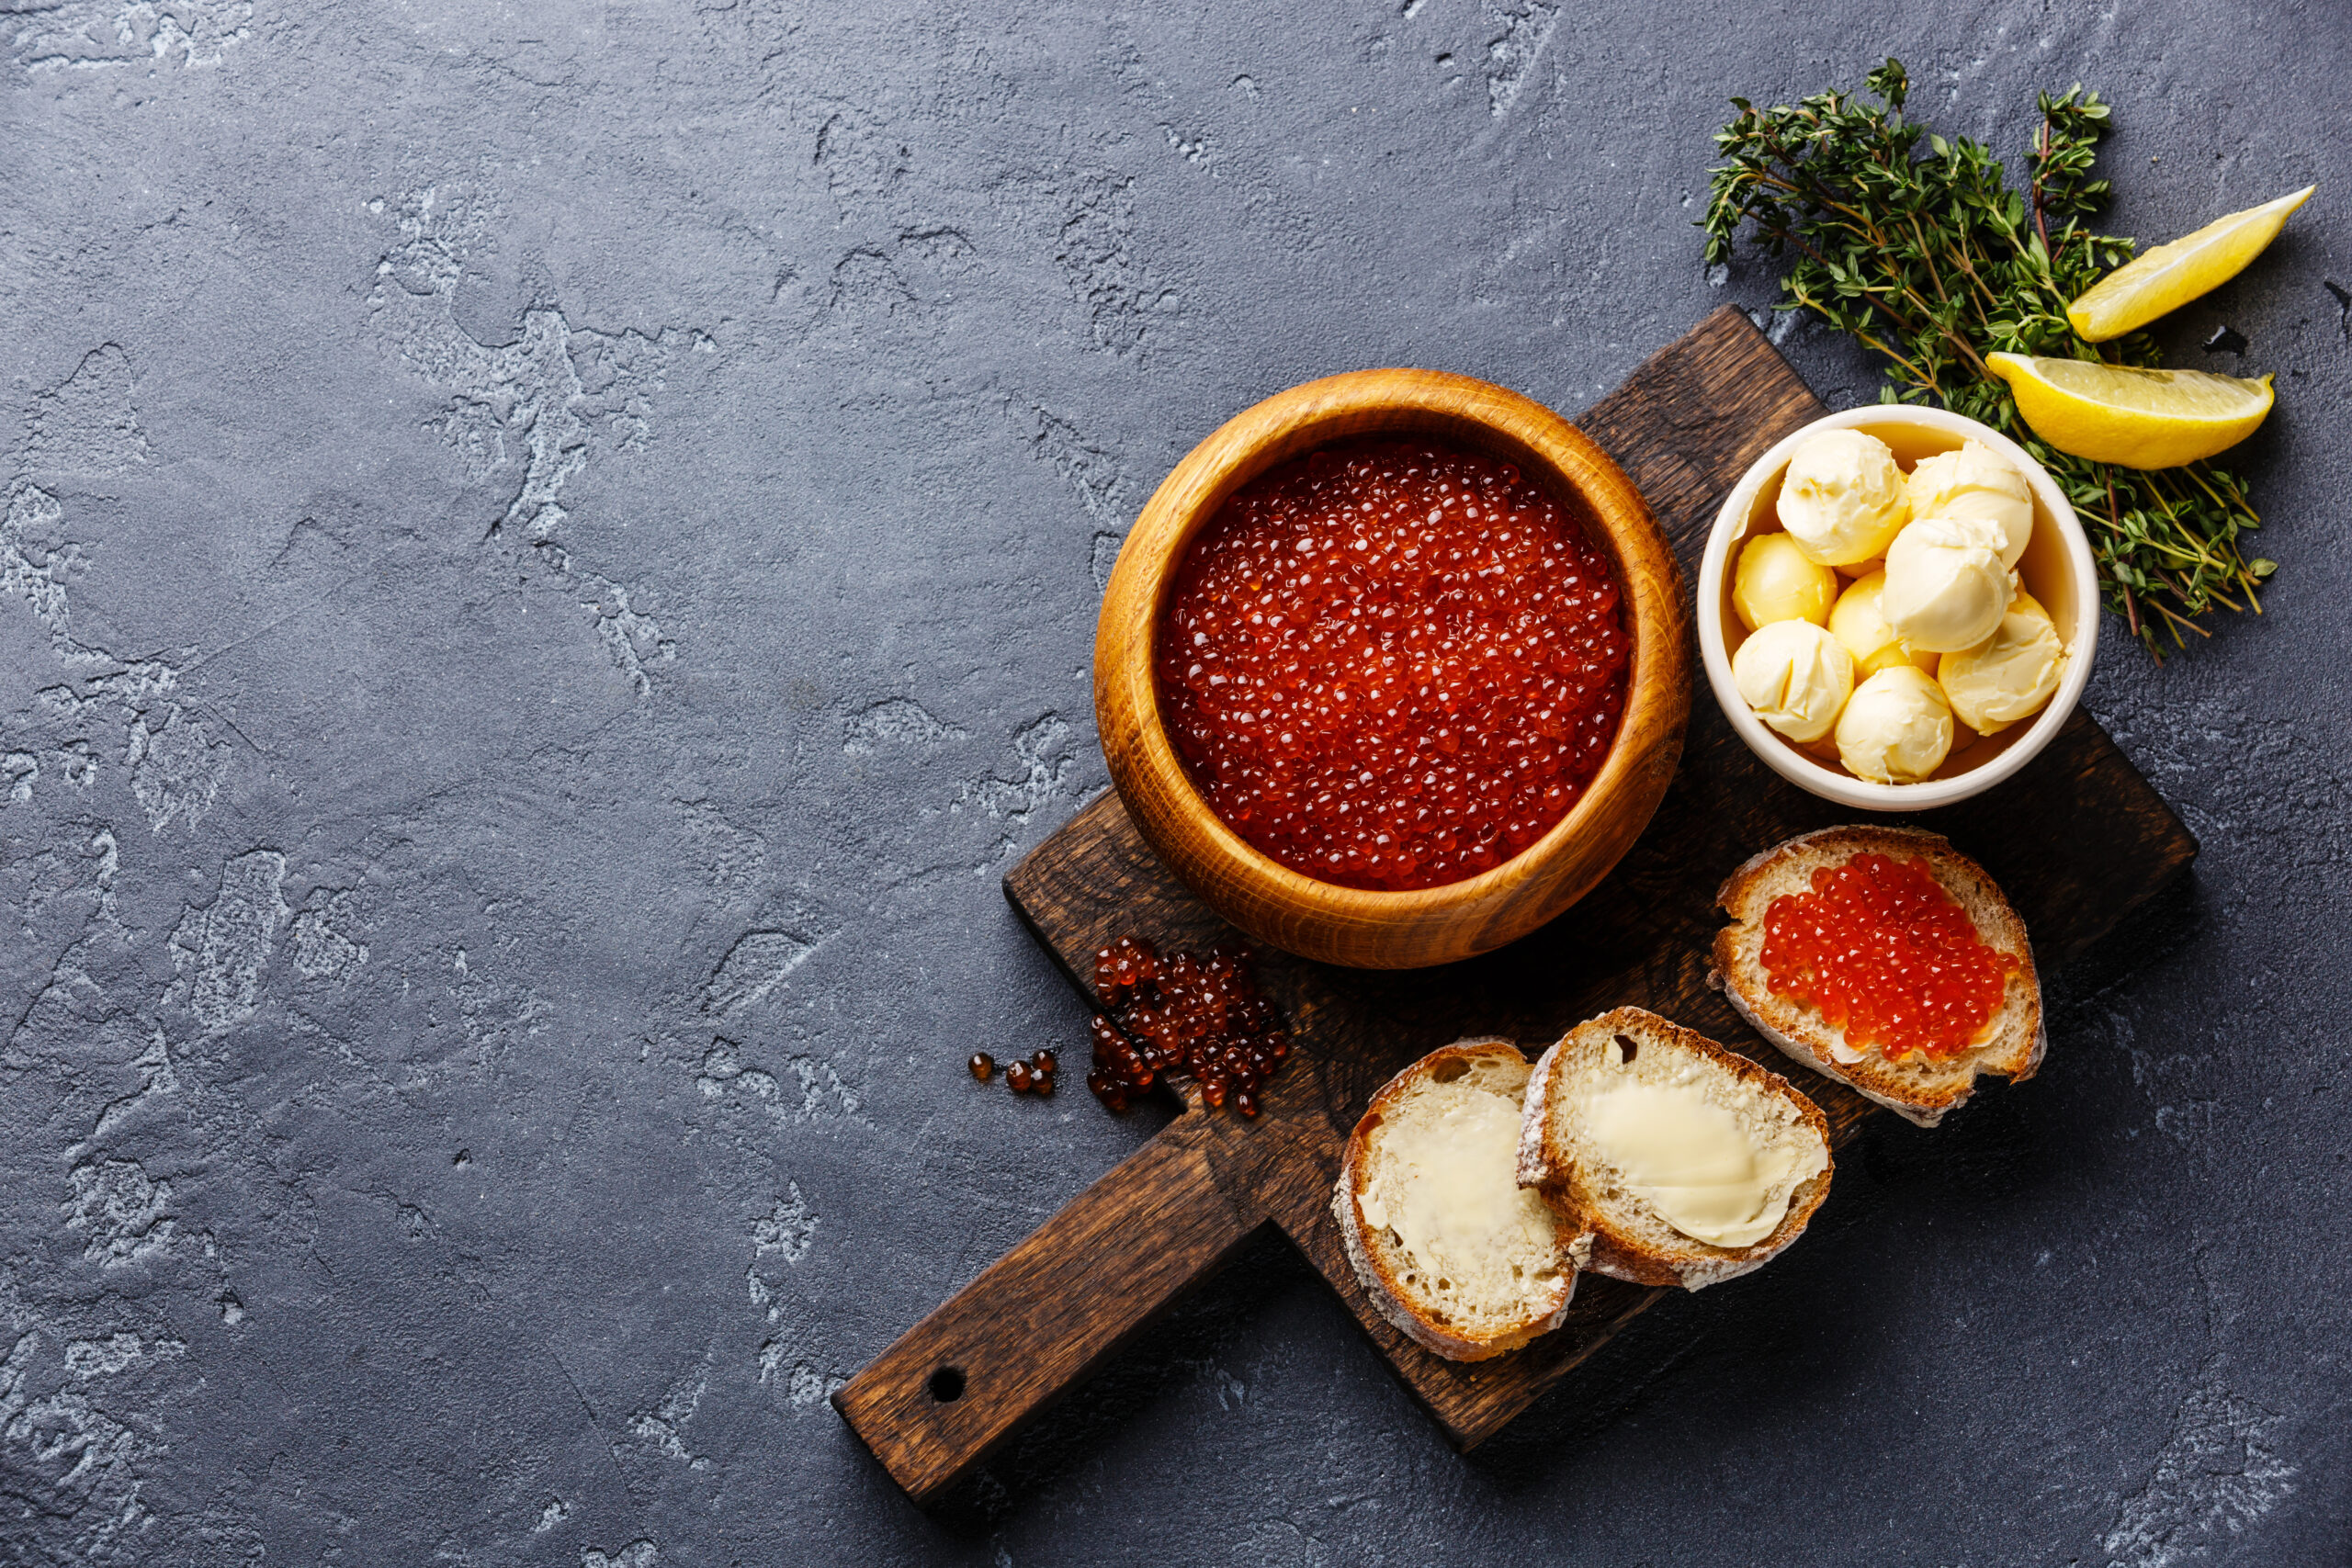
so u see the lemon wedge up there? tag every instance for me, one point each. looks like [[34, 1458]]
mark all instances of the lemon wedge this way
[[2138, 418], [2171, 276]]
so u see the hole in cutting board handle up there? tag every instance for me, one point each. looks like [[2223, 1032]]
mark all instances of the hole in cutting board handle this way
[[946, 1385]]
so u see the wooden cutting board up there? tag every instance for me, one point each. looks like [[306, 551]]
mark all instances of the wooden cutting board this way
[[2077, 838]]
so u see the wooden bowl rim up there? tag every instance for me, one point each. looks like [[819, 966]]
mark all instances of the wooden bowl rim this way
[[1291, 423]]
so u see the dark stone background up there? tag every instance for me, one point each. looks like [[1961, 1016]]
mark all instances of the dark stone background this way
[[550, 557]]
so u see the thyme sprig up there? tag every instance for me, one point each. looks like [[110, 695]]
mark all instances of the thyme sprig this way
[[1930, 259]]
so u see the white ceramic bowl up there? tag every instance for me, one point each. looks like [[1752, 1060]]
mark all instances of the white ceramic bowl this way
[[2057, 568]]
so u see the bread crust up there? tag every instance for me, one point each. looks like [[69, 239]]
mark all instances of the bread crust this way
[[1917, 1089], [1380, 1283], [1549, 1165]]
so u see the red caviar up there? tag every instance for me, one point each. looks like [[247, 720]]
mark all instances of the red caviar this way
[[1887, 956], [1392, 664], [1184, 1013]]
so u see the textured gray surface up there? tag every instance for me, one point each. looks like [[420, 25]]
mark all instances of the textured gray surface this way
[[550, 558]]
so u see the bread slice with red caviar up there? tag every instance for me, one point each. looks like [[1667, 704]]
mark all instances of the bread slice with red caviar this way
[[1917, 1086], [1673, 1160], [1448, 1246]]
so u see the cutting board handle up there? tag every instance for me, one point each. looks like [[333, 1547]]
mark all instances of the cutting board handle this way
[[1043, 1316]]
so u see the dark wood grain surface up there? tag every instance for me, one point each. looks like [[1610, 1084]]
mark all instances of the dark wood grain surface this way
[[2077, 838]]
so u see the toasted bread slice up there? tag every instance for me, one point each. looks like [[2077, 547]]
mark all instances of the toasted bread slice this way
[[1915, 1087], [1448, 1246], [1675, 1161]]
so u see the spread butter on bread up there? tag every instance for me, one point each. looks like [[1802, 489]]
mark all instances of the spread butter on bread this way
[[1919, 1087], [1673, 1160], [1448, 1245]]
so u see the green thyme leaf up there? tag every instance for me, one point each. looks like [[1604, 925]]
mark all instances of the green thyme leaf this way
[[1928, 256]]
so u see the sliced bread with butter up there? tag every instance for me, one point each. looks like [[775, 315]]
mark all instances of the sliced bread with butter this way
[[1917, 1086], [1673, 1160], [1447, 1245]]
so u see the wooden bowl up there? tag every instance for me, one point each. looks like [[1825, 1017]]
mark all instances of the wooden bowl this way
[[1360, 927]]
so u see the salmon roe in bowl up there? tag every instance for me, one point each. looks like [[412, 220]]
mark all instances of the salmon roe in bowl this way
[[1392, 664]]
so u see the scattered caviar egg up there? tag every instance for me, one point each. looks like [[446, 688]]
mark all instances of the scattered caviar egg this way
[[1392, 664], [1198, 1014], [1017, 1076], [1044, 1061], [982, 1065], [1887, 956]]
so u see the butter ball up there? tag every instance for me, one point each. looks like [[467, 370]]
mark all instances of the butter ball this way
[[1977, 481], [1776, 582], [1896, 728], [1859, 621], [1843, 497], [1946, 588], [1796, 676], [2011, 675]]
